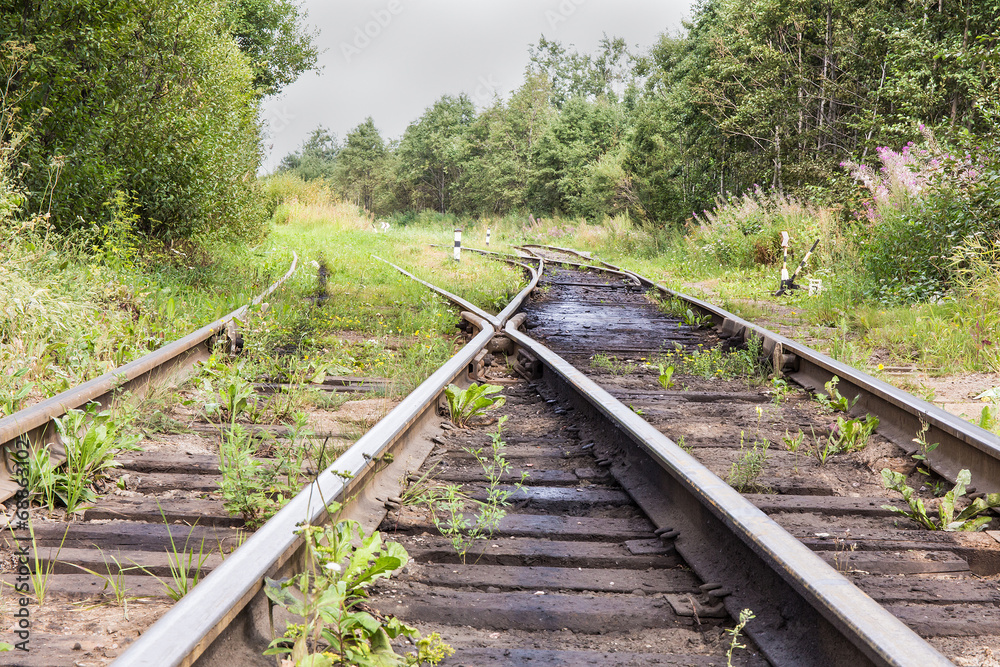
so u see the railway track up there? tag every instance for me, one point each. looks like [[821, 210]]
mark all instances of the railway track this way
[[621, 548]]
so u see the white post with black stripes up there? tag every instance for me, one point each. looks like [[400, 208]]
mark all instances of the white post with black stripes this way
[[487, 237], [458, 245]]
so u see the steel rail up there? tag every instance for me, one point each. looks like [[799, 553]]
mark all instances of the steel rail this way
[[805, 608], [457, 300], [961, 444], [607, 268], [34, 423], [234, 589], [801, 602], [496, 320]]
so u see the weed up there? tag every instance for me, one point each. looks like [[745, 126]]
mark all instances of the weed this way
[[780, 389], [696, 321], [923, 448], [665, 377], [455, 524], [714, 363], [466, 404], [744, 471], [114, 582], [341, 563], [824, 454], [235, 397], [10, 395], [968, 520], [91, 439], [185, 565], [850, 435], [249, 486], [746, 616], [834, 401], [793, 442], [842, 556], [42, 571], [612, 365], [988, 419]]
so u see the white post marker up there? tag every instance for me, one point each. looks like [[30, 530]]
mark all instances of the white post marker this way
[[487, 237], [784, 258], [458, 244]]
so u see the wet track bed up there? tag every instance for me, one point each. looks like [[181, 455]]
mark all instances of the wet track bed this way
[[575, 575], [944, 585]]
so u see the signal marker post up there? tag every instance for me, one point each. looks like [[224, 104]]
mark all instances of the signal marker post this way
[[458, 245], [487, 237], [788, 283]]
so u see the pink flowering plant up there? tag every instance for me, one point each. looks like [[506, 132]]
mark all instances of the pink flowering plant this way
[[920, 206]]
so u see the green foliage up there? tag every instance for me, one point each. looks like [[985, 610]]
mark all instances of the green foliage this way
[[341, 564], [714, 363], [697, 321], [431, 149], [744, 472], [449, 506], [850, 435], [613, 365], [665, 377], [249, 486], [467, 404], [91, 439], [780, 389], [150, 98], [273, 36], [185, 564], [362, 166], [746, 615], [834, 401], [10, 394], [793, 442], [968, 520]]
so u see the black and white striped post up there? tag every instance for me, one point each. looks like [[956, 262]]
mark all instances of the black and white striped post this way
[[487, 237], [458, 245]]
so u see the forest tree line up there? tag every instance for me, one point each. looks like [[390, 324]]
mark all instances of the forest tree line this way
[[765, 93]]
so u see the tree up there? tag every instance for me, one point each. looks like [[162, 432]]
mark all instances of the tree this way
[[497, 153], [431, 149], [316, 158], [273, 35], [361, 163], [572, 74], [563, 156]]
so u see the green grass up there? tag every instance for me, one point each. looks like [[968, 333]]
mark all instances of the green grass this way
[[67, 317]]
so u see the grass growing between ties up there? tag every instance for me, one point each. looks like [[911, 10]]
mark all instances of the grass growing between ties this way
[[185, 564]]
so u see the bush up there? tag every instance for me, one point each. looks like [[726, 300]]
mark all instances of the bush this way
[[149, 98], [745, 231], [924, 204]]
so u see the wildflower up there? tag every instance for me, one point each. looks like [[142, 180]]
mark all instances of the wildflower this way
[[333, 567], [880, 366]]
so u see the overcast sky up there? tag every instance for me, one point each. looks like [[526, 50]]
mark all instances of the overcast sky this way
[[391, 59]]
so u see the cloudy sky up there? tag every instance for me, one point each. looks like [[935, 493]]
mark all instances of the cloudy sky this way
[[391, 59]]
